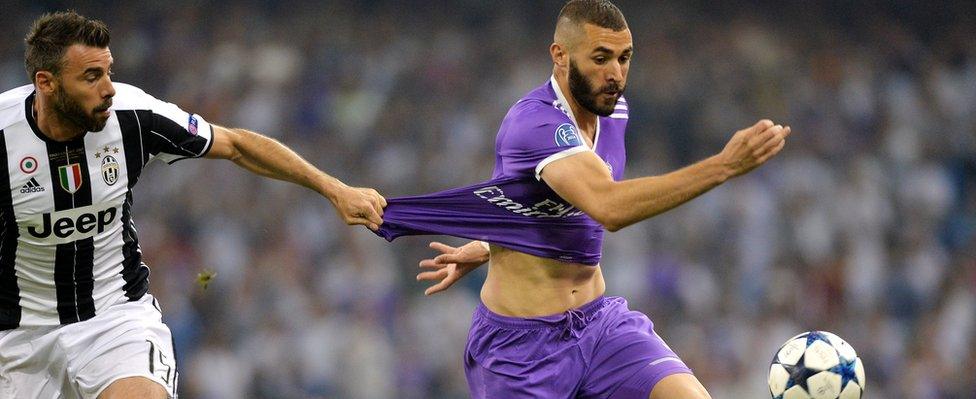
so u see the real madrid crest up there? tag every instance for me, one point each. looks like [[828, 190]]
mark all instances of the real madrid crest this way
[[110, 166]]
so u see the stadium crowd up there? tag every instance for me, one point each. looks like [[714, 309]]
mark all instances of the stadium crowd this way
[[865, 225]]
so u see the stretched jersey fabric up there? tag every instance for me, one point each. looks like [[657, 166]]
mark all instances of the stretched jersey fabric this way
[[515, 209], [68, 245]]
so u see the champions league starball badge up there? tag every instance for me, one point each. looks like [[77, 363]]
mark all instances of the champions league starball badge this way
[[566, 136]]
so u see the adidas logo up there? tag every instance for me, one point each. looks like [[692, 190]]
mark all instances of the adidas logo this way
[[32, 186]]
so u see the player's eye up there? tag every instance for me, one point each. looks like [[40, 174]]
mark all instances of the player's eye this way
[[600, 60], [624, 59]]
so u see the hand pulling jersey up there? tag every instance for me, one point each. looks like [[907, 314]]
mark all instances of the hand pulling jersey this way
[[68, 245], [515, 209]]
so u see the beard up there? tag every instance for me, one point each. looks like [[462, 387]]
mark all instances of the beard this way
[[69, 110], [589, 98]]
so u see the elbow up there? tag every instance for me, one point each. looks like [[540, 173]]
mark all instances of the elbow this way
[[612, 226], [610, 219]]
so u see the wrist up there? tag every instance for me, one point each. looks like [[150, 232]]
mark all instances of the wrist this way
[[482, 245], [722, 169], [330, 188]]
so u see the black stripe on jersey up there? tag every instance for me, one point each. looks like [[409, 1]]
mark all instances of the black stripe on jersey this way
[[133, 125], [172, 138], [134, 272], [74, 261], [10, 310], [152, 357]]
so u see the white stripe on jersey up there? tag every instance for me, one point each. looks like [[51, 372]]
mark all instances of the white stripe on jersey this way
[[33, 262], [108, 281]]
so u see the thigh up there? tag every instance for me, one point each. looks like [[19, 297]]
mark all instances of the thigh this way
[[31, 365], [134, 387], [629, 359], [521, 363], [130, 340], [679, 386]]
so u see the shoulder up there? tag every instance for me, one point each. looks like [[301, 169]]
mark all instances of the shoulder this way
[[534, 124], [12, 105], [129, 97], [529, 113]]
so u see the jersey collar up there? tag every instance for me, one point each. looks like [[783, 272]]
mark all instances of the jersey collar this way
[[563, 105]]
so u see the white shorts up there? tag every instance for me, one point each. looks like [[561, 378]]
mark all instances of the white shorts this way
[[80, 360]]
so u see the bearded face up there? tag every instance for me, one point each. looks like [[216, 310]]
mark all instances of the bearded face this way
[[598, 100], [71, 110]]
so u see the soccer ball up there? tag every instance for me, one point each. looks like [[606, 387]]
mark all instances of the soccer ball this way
[[816, 365]]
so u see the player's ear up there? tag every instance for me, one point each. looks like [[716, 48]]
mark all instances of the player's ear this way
[[559, 55], [45, 82]]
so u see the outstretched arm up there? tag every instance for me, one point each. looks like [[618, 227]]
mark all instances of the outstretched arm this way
[[268, 157], [584, 181]]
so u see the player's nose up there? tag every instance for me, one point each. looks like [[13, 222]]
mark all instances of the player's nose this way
[[614, 72], [108, 90]]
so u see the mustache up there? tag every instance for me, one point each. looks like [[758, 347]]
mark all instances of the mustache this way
[[612, 88], [105, 106]]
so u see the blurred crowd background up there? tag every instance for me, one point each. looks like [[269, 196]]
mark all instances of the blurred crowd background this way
[[864, 226]]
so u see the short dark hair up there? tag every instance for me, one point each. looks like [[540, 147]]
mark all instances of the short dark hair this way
[[601, 13], [52, 34]]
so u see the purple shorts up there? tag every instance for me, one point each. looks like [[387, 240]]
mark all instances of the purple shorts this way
[[600, 350]]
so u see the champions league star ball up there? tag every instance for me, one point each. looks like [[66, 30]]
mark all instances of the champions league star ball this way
[[816, 365]]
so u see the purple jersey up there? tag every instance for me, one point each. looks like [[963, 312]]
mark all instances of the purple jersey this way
[[515, 209]]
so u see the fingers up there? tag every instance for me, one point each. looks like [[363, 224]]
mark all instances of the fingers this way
[[376, 219], [432, 275], [762, 125], [773, 152], [447, 249], [447, 258], [764, 139], [380, 198], [446, 279], [369, 223], [441, 286], [762, 136], [431, 264], [446, 283], [773, 147], [375, 201]]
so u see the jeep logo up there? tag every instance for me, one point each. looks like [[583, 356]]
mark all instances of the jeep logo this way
[[83, 222]]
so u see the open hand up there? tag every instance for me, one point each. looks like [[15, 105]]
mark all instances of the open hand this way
[[452, 264]]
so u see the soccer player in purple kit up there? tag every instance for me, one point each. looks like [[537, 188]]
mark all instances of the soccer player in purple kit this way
[[544, 328]]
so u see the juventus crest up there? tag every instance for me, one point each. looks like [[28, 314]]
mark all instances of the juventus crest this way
[[110, 170]]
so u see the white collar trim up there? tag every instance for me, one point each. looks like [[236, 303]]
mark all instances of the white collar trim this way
[[561, 102]]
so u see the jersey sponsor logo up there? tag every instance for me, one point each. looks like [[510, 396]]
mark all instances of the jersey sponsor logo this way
[[191, 125], [566, 136], [110, 170], [72, 224], [28, 165], [543, 209], [70, 177], [32, 186]]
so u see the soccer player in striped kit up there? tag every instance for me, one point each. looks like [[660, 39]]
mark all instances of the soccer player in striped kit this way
[[76, 318], [544, 328]]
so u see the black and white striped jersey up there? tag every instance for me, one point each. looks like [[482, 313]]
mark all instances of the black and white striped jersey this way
[[68, 245]]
